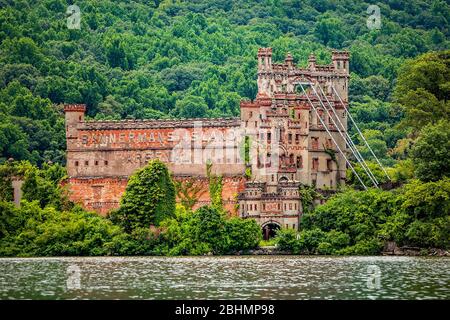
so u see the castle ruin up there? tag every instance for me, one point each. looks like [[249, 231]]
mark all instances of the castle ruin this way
[[286, 137]]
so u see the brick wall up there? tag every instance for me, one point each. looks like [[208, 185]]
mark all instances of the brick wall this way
[[103, 194]]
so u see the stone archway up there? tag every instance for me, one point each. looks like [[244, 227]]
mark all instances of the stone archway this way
[[269, 229]]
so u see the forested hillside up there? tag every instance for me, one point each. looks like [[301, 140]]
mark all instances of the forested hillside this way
[[154, 59]]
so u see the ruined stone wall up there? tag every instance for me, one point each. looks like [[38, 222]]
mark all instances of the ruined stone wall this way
[[104, 193], [101, 155]]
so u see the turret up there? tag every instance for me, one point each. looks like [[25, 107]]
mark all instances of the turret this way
[[289, 61], [341, 68], [264, 59], [74, 114], [340, 61], [312, 62], [265, 85]]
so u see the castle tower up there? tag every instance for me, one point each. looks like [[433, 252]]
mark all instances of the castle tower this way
[[340, 61], [265, 77], [74, 114], [293, 136]]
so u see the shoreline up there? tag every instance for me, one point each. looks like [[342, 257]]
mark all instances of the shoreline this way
[[396, 251]]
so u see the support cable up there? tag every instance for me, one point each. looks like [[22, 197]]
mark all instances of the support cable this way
[[321, 120], [359, 131], [347, 138]]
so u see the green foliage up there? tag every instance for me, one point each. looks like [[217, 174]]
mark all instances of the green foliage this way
[[33, 231], [45, 186], [191, 107], [330, 31], [188, 192], [308, 195], [374, 168], [426, 200], [148, 199], [312, 241], [422, 89], [207, 231], [242, 234], [431, 152], [358, 222], [348, 223]]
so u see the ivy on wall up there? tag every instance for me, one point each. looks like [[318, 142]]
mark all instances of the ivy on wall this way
[[215, 188]]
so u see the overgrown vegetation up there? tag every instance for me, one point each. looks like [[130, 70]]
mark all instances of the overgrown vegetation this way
[[148, 199], [147, 222]]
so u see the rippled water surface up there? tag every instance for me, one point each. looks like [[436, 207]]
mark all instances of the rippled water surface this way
[[244, 277]]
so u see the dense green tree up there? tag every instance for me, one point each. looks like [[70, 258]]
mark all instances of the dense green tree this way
[[422, 89], [191, 107], [148, 199], [330, 30], [207, 231], [431, 151]]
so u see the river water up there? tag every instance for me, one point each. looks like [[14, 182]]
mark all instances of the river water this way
[[240, 277]]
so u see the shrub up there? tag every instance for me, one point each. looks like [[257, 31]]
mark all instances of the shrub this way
[[149, 198]]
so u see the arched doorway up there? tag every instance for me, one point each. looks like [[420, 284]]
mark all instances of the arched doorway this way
[[269, 230]]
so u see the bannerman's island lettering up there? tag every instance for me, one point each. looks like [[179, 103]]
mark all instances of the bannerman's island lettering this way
[[155, 137]]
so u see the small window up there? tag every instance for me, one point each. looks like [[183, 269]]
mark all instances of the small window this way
[[96, 162], [299, 162], [86, 163], [76, 163], [315, 164], [106, 162], [314, 143], [329, 164]]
